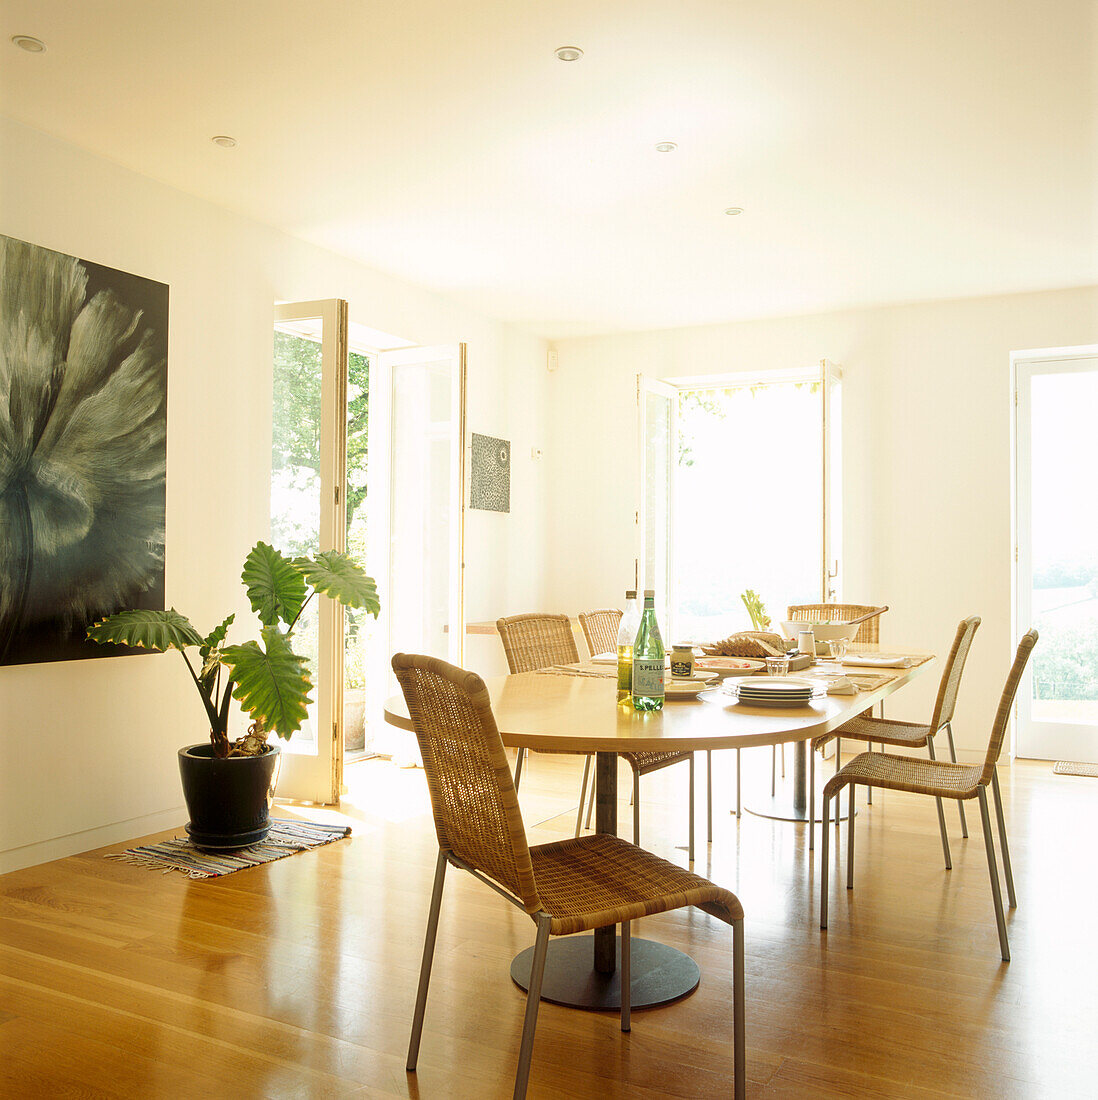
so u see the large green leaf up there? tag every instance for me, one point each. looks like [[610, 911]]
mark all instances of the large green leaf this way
[[334, 574], [272, 686], [275, 586], [159, 630], [211, 656]]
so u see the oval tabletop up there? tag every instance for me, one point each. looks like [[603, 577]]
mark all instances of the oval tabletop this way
[[555, 711]]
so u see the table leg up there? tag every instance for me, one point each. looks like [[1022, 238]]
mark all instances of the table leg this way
[[606, 821], [792, 805]]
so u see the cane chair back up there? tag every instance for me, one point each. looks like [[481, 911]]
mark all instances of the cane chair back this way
[[473, 799], [537, 640], [868, 632], [950, 683], [600, 629], [1006, 704]]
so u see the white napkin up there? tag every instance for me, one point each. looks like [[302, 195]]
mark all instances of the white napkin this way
[[879, 660], [842, 686]]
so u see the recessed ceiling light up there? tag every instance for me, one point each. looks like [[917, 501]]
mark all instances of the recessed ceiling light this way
[[734, 210], [26, 42], [224, 141], [569, 53], [666, 147]]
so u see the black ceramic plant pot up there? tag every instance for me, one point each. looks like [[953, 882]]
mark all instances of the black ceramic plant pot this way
[[228, 800]]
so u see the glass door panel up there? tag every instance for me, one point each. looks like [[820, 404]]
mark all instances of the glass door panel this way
[[733, 531], [1058, 557], [307, 515]]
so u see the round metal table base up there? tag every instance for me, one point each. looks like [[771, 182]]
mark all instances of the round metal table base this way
[[660, 974], [781, 808]]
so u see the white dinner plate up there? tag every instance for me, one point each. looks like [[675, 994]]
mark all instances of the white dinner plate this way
[[729, 666], [685, 689], [775, 685]]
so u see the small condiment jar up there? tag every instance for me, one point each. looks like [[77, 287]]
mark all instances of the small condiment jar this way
[[682, 661]]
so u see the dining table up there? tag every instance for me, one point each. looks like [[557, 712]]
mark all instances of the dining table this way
[[574, 709]]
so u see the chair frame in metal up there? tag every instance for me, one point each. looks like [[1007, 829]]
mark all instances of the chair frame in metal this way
[[939, 779], [565, 887], [907, 735]]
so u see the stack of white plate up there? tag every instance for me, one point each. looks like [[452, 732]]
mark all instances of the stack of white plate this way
[[774, 691]]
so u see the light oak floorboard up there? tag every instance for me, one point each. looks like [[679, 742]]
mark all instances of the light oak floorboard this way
[[297, 979]]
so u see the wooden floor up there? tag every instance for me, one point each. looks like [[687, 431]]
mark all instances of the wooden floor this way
[[297, 979]]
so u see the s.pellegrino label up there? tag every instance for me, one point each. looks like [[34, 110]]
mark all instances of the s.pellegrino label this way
[[648, 660]]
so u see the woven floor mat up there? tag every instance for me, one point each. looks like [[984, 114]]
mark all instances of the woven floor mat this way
[[1072, 767], [285, 839]]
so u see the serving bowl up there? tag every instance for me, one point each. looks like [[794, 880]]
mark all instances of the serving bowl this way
[[824, 632]]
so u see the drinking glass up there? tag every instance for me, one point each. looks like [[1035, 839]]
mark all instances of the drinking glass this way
[[777, 666], [837, 648]]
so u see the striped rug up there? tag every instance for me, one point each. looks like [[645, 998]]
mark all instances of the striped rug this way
[[285, 838]]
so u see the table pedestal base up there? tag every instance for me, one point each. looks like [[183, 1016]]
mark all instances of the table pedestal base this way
[[659, 974], [779, 808]]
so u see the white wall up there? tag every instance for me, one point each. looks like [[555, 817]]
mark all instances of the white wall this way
[[926, 412], [87, 748]]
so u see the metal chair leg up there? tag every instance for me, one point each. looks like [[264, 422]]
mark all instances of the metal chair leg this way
[[739, 808], [583, 793], [518, 768], [690, 842], [626, 976], [1009, 874], [739, 1030], [850, 839], [709, 796], [428, 957], [636, 809], [773, 770], [826, 835], [953, 757], [590, 807], [781, 749], [941, 814], [533, 999], [811, 797], [839, 793], [869, 790], [993, 872]]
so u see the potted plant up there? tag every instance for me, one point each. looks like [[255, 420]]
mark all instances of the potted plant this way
[[228, 786]]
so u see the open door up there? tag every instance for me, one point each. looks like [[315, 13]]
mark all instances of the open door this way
[[416, 539], [307, 515], [831, 378], [657, 413]]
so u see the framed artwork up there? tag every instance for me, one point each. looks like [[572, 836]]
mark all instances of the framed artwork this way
[[83, 450], [490, 474]]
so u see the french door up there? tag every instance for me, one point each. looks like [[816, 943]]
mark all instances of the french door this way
[[1056, 552], [308, 445], [417, 528], [740, 488]]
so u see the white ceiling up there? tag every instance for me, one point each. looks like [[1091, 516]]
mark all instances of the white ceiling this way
[[882, 150]]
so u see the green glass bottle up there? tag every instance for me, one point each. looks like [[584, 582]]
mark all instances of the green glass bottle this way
[[627, 633], [648, 659]]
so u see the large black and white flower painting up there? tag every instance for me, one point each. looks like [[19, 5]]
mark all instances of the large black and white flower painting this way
[[83, 438]]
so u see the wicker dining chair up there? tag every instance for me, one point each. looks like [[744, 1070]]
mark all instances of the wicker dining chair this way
[[567, 886], [869, 631], [600, 630], [939, 779], [538, 640], [907, 735]]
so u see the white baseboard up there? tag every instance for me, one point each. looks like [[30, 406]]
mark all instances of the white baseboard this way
[[44, 851]]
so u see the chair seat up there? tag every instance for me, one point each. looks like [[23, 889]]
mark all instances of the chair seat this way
[[938, 778], [886, 731], [594, 881], [651, 761]]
